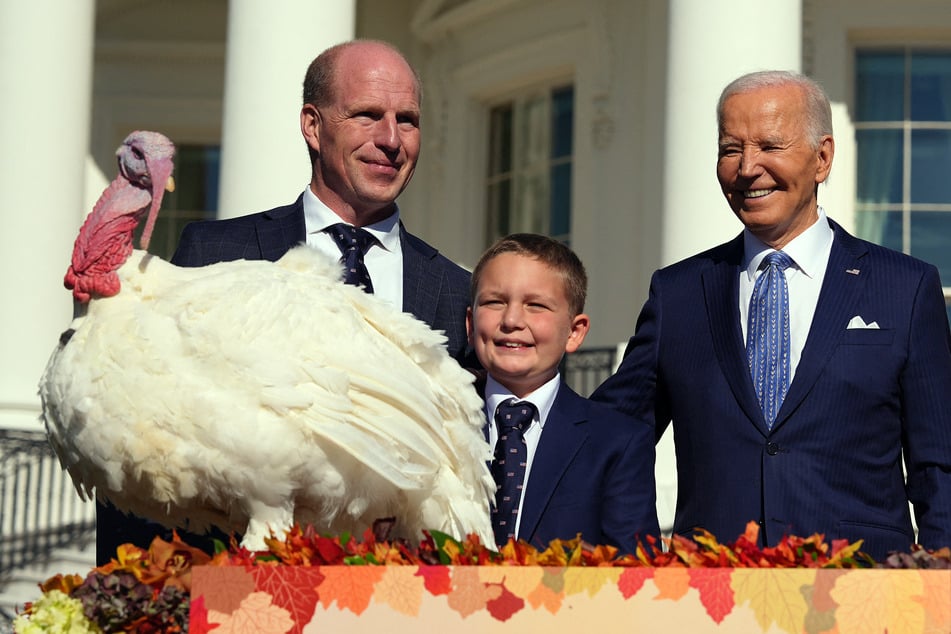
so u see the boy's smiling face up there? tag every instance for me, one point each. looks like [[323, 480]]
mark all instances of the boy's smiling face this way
[[521, 324]]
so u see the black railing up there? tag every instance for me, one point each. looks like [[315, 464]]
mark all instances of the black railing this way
[[40, 510], [585, 369]]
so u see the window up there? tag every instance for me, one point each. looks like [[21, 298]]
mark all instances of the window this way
[[903, 136], [195, 197], [530, 158]]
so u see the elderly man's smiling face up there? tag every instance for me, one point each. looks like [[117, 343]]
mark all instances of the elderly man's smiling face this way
[[767, 165]]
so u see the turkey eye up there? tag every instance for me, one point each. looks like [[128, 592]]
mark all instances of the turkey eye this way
[[137, 152]]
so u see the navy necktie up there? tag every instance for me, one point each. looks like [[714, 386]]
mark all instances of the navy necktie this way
[[353, 243], [508, 466], [767, 335]]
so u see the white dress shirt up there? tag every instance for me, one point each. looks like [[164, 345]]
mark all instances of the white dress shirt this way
[[810, 252], [384, 259], [542, 399]]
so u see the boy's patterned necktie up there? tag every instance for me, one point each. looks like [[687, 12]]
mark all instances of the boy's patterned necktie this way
[[508, 467]]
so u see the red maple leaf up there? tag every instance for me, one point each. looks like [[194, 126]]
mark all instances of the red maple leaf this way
[[198, 617], [632, 580], [293, 588], [503, 607], [716, 593], [436, 579]]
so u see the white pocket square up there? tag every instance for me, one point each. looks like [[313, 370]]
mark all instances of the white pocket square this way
[[858, 322]]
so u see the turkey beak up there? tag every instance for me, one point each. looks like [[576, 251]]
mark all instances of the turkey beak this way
[[161, 173]]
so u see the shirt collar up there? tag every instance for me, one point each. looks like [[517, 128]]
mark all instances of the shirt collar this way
[[542, 398], [318, 216], [808, 250]]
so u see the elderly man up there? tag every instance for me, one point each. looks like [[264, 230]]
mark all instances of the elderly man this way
[[798, 364]]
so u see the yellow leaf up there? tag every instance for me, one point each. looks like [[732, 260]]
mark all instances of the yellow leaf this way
[[774, 595], [590, 580], [256, 615], [401, 589], [880, 600], [520, 580]]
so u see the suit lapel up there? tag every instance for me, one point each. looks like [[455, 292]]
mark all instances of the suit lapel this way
[[721, 293], [842, 286], [420, 282], [562, 438], [281, 229]]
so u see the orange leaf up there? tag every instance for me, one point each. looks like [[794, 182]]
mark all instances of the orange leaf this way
[[672, 583], [255, 615], [350, 586], [468, 592], [545, 596]]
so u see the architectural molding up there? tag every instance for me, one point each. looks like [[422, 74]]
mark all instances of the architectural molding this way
[[435, 18]]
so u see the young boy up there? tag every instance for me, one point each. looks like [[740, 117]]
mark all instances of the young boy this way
[[564, 465]]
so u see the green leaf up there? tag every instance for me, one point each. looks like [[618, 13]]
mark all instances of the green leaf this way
[[440, 539]]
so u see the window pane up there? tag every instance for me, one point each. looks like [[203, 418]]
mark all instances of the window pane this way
[[931, 166], [929, 240], [562, 113], [560, 201], [529, 179], [500, 142], [879, 86], [531, 203], [879, 166], [931, 86], [500, 197], [880, 227]]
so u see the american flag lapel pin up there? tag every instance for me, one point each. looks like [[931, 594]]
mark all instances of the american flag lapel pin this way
[[852, 271]]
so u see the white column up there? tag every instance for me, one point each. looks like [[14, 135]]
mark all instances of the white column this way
[[264, 159], [46, 57], [710, 44]]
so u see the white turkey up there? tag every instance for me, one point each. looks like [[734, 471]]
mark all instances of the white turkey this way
[[249, 395]]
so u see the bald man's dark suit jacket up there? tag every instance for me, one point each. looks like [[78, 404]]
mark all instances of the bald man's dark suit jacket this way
[[861, 400], [435, 290]]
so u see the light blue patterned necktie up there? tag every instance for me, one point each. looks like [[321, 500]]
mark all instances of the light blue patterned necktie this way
[[767, 335]]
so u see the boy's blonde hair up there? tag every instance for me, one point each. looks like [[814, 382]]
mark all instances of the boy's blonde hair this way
[[548, 251]]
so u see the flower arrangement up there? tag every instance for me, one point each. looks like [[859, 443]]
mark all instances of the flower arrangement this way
[[148, 590]]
